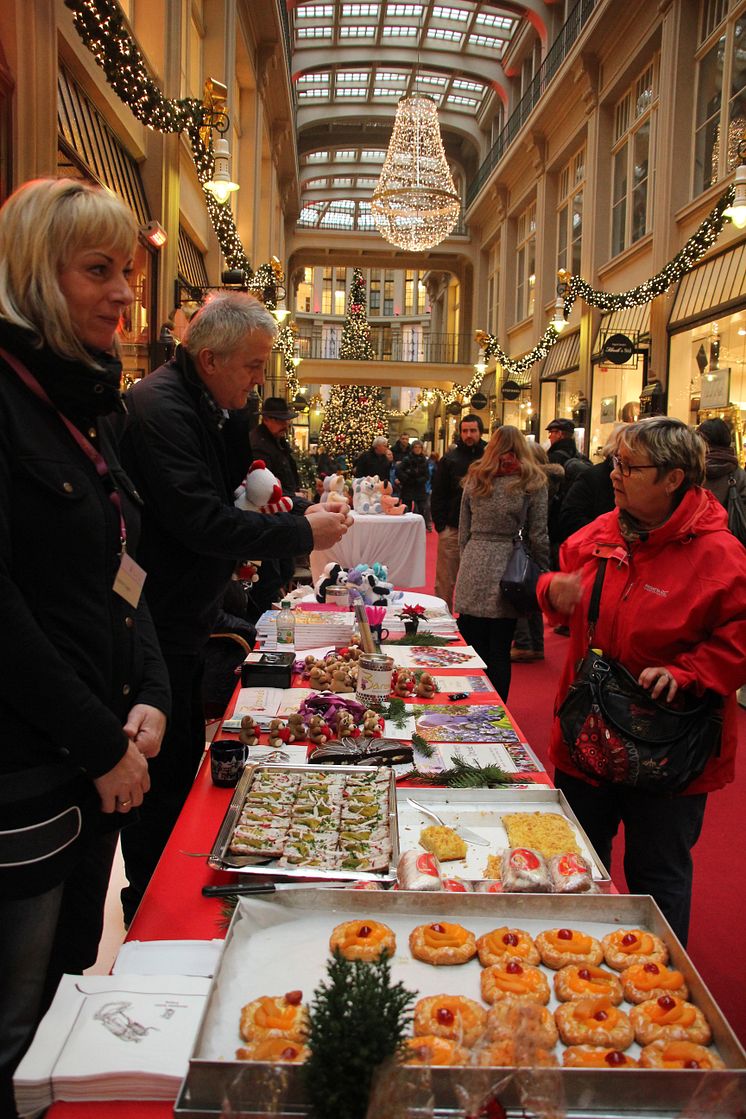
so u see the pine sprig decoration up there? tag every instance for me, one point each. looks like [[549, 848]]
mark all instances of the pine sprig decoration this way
[[420, 638], [464, 775], [358, 1020], [422, 746]]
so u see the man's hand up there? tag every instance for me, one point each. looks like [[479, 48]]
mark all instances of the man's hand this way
[[327, 528], [333, 504], [565, 592], [145, 727], [124, 786]]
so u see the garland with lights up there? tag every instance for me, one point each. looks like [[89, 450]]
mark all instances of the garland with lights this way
[[355, 414], [692, 252], [102, 28]]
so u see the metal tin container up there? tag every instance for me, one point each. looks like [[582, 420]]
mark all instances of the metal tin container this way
[[374, 678]]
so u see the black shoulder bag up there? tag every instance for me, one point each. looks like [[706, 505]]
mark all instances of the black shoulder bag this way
[[521, 574], [616, 733], [736, 512]]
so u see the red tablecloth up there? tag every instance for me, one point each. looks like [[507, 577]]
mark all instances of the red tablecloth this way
[[173, 907]]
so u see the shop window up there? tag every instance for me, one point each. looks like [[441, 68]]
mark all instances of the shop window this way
[[409, 293], [304, 294], [340, 293], [570, 214], [388, 293], [526, 263], [632, 161], [326, 292], [493, 287], [374, 298], [423, 305], [721, 94]]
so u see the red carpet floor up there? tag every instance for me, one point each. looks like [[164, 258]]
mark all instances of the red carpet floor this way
[[719, 900]]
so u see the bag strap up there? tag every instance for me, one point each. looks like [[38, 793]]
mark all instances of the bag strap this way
[[524, 515], [595, 603]]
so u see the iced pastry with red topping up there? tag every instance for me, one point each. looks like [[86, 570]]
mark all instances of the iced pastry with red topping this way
[[442, 942], [570, 874], [641, 982], [559, 947], [596, 1056], [280, 1049], [669, 1018], [577, 981], [679, 1054], [594, 1021], [433, 1050], [504, 942], [282, 1016], [453, 1016], [625, 947], [363, 940], [523, 870], [514, 980]]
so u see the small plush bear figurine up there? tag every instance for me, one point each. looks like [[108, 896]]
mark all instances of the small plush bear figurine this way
[[261, 491]]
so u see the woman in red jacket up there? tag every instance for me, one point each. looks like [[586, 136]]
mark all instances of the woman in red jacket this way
[[673, 612]]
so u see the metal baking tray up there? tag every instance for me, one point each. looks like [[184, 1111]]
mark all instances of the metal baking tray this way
[[481, 810], [221, 859], [284, 943]]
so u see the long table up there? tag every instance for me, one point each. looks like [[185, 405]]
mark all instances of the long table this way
[[397, 542], [173, 907]]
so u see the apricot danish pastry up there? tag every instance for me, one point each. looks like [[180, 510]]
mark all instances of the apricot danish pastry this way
[[594, 1021], [452, 1016], [678, 1054], [432, 1050], [596, 1056], [641, 982], [514, 980], [625, 947], [282, 1049], [568, 946], [509, 1053], [669, 1018], [503, 943], [442, 943], [576, 981], [527, 1024], [363, 940], [281, 1016]]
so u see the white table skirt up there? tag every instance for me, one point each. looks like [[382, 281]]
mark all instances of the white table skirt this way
[[399, 542]]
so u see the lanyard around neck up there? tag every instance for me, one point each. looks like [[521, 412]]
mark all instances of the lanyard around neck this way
[[95, 457]]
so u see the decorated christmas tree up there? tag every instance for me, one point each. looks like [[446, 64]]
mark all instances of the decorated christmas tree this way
[[355, 414]]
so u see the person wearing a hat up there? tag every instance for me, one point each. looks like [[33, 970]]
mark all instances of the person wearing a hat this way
[[563, 451], [269, 442]]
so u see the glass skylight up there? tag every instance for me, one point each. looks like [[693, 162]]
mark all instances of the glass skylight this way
[[461, 83], [317, 157], [355, 11], [450, 13], [315, 79], [487, 19], [446, 33], [486, 41], [372, 155], [314, 32], [314, 11], [345, 154], [404, 10], [307, 94], [397, 31], [352, 75], [361, 32]]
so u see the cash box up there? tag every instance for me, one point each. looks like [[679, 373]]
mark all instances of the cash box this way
[[269, 670]]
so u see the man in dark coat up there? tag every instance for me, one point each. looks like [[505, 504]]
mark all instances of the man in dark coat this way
[[184, 450], [564, 452], [374, 461], [590, 495], [445, 502]]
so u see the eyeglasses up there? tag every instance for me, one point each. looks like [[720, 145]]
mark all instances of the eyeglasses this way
[[626, 469]]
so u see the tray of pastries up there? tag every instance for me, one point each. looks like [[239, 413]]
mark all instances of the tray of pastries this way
[[310, 821], [593, 987], [537, 822]]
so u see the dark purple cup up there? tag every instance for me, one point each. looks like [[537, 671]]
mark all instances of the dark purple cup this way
[[227, 759]]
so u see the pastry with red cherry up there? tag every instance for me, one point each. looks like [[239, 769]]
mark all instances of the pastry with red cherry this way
[[452, 1016], [432, 1050], [282, 1049], [596, 1056], [513, 1054], [505, 943], [559, 947], [577, 981], [669, 1018], [641, 982], [442, 942], [275, 1016], [594, 1021], [527, 1024], [514, 980], [363, 940], [625, 947], [679, 1054]]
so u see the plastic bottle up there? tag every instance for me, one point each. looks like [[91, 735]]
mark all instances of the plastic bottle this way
[[286, 627]]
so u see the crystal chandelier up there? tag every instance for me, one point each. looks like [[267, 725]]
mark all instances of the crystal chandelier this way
[[415, 204]]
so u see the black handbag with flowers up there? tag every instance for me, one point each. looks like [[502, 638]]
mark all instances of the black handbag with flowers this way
[[615, 732]]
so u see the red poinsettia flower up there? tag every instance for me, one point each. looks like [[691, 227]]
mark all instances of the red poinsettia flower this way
[[412, 612]]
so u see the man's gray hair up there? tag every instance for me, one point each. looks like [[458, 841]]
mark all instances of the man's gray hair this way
[[223, 322], [380, 440]]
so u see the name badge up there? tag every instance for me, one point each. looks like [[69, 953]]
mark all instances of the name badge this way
[[129, 581]]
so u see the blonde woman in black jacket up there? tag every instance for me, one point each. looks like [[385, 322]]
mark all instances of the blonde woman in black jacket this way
[[83, 690]]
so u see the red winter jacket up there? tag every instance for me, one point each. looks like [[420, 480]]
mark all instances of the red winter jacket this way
[[677, 600]]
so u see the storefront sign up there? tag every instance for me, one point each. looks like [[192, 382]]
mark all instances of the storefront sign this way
[[618, 349], [478, 401], [510, 390], [715, 389], [454, 408]]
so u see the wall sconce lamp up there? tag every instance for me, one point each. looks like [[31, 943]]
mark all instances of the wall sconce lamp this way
[[737, 211], [154, 234], [215, 117], [280, 313]]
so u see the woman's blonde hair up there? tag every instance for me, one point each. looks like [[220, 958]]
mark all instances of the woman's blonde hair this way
[[669, 444], [42, 225], [481, 475]]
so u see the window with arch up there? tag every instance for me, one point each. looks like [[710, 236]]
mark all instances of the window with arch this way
[[720, 113], [632, 160]]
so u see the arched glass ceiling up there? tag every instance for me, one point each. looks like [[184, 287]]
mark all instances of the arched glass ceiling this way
[[352, 62]]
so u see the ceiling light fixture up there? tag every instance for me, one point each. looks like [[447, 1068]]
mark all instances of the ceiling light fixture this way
[[415, 204]]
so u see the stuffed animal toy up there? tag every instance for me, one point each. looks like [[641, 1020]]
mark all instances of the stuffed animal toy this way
[[425, 686], [261, 491], [373, 590], [333, 575], [249, 732], [390, 505], [333, 494], [365, 498]]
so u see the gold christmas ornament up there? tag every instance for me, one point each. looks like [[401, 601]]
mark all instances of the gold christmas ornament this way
[[415, 204]]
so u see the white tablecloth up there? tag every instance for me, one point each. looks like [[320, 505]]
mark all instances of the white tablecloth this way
[[399, 542]]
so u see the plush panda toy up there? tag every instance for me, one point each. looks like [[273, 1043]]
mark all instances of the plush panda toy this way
[[261, 491], [333, 575]]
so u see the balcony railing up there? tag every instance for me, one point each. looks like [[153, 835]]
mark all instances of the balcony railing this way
[[558, 52], [448, 349]]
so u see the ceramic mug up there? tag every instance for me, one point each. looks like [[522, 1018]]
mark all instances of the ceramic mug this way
[[227, 759]]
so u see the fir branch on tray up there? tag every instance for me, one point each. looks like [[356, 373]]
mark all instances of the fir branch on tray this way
[[463, 775], [395, 711], [422, 746], [358, 1020]]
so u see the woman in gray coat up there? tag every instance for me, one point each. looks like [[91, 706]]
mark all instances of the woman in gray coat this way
[[491, 511]]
